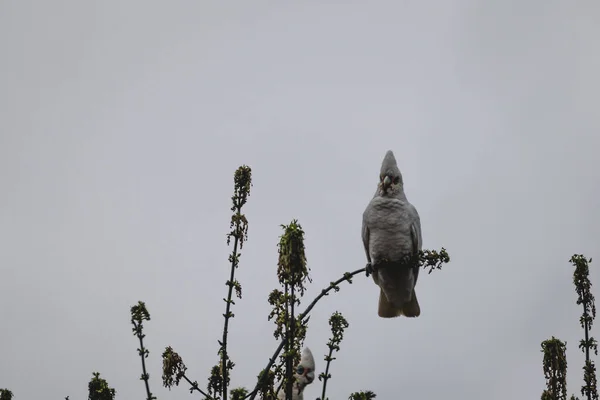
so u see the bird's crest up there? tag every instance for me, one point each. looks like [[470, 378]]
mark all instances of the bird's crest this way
[[389, 165], [307, 359]]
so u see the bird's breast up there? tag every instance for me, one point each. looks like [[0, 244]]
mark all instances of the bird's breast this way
[[389, 230]]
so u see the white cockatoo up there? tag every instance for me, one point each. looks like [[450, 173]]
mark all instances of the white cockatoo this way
[[304, 374], [391, 233]]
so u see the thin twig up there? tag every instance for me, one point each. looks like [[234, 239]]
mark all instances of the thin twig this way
[[326, 376], [139, 313], [334, 285], [290, 345], [145, 375], [227, 314], [239, 223], [194, 386]]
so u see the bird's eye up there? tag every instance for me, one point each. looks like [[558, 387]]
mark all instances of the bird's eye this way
[[396, 180], [300, 370]]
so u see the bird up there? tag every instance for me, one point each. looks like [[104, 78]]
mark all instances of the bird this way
[[391, 234], [304, 375]]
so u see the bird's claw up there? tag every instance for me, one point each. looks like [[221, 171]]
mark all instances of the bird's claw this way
[[369, 269]]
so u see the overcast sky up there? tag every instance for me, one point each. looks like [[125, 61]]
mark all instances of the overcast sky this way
[[122, 123]]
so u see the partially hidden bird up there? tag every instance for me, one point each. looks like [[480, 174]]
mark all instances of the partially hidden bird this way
[[391, 234], [304, 375]]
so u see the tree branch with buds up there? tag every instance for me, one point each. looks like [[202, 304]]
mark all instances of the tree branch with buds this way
[[239, 232], [338, 324], [586, 299], [426, 259], [139, 314]]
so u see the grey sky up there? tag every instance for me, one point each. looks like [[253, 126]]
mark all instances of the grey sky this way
[[121, 124]]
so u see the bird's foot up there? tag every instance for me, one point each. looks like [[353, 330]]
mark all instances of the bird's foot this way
[[369, 269]]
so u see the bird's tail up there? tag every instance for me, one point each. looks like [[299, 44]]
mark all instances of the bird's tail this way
[[387, 309], [411, 309]]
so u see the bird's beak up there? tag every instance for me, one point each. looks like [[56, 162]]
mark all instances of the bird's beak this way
[[386, 182]]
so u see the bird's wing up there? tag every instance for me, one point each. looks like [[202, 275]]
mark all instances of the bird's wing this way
[[365, 235], [416, 237]]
